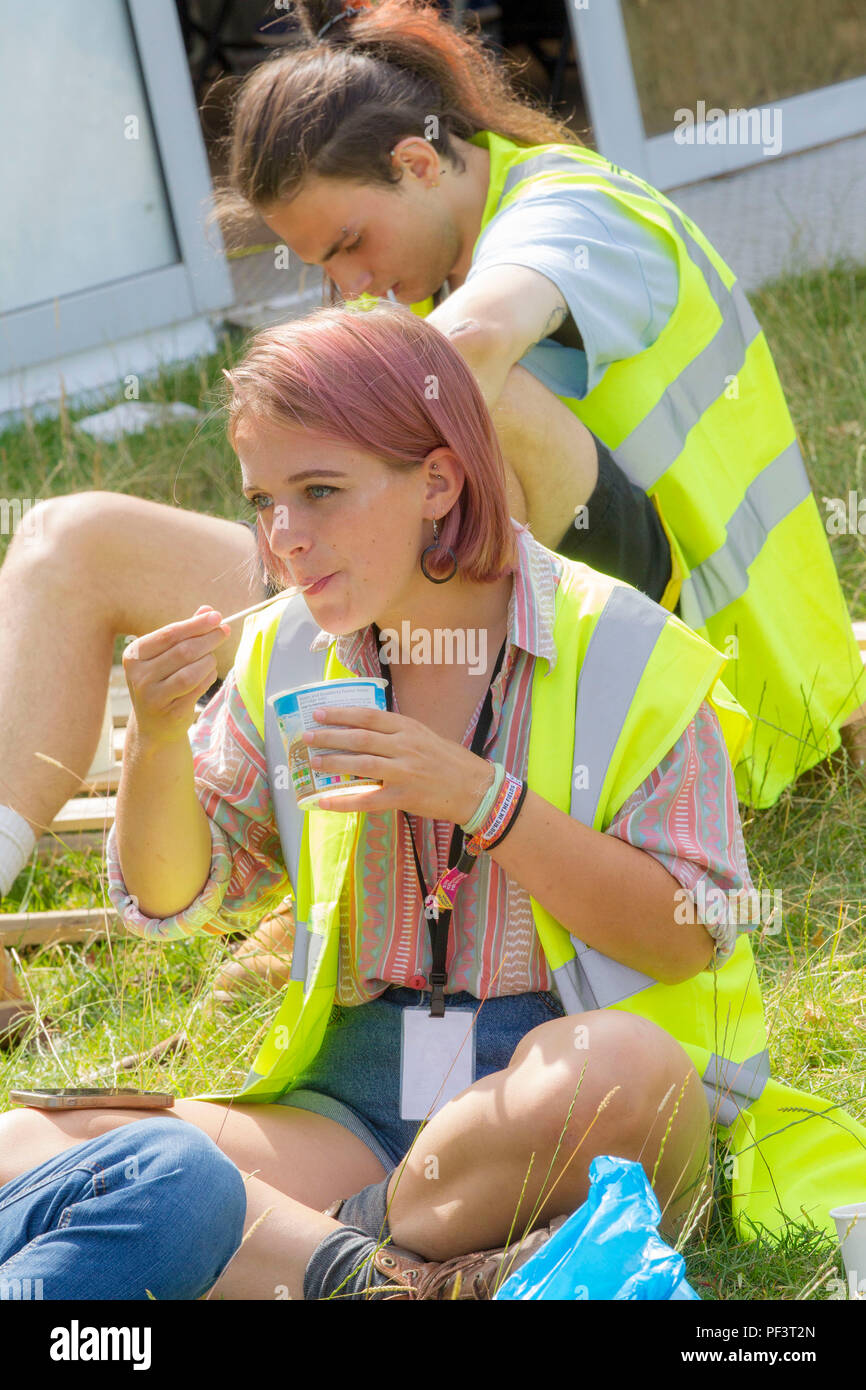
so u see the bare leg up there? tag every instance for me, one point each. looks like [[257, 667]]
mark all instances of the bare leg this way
[[461, 1184], [92, 566], [482, 1142], [295, 1164]]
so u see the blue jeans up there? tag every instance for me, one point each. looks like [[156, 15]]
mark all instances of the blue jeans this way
[[151, 1207], [355, 1077]]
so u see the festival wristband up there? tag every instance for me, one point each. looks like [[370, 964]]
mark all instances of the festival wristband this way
[[509, 801], [511, 797], [487, 802], [515, 812]]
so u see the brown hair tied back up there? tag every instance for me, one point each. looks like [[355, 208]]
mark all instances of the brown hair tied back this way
[[337, 106]]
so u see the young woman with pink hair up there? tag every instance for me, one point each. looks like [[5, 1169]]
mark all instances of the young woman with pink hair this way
[[371, 459]]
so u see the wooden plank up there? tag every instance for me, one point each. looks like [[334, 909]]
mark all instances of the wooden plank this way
[[100, 782], [860, 635], [85, 813], [72, 924], [118, 696], [49, 848]]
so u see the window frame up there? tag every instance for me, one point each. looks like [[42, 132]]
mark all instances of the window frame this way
[[199, 282], [598, 30]]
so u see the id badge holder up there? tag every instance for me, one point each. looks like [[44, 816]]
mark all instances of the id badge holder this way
[[437, 1059]]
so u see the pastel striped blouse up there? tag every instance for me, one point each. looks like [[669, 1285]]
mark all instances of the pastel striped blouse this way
[[685, 815]]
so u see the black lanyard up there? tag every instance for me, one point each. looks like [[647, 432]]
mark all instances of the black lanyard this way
[[439, 928]]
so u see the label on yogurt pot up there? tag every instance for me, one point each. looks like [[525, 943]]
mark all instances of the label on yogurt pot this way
[[294, 714]]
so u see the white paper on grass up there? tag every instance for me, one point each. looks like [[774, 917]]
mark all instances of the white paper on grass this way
[[132, 417]]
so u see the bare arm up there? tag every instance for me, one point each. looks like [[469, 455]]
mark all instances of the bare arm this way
[[550, 456], [496, 318], [615, 897], [163, 835]]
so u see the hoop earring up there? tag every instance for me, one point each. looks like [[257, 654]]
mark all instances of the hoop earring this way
[[433, 548]]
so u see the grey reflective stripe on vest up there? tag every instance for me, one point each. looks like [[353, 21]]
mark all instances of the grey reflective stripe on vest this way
[[573, 990], [724, 575], [620, 647], [732, 1086], [656, 443], [292, 663], [622, 642]]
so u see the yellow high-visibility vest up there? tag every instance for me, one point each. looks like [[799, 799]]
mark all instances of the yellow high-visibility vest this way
[[699, 420], [628, 679]]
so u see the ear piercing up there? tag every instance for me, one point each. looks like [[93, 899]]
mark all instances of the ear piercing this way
[[441, 171]]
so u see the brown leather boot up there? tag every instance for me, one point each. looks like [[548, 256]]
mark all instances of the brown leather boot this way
[[474, 1276], [265, 957], [15, 1009]]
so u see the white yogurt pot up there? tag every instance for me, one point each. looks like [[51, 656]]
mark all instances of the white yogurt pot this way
[[294, 714]]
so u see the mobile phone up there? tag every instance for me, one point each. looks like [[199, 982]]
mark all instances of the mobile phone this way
[[75, 1098]]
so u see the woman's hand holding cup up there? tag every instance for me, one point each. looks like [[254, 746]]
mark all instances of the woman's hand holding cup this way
[[419, 771], [168, 670]]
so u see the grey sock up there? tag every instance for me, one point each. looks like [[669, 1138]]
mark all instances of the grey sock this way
[[367, 1210], [342, 1266]]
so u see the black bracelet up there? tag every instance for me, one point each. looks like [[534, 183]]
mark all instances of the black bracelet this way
[[524, 788]]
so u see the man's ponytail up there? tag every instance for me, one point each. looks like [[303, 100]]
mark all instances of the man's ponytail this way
[[338, 105]]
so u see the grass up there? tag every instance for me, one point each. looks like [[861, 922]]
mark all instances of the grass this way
[[739, 54], [116, 998], [190, 466]]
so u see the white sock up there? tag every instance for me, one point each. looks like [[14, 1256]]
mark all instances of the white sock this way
[[16, 846]]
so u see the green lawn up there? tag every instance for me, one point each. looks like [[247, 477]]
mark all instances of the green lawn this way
[[112, 999]]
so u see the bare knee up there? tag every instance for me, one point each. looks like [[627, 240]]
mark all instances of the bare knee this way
[[29, 1137], [606, 1063], [63, 534], [25, 1142]]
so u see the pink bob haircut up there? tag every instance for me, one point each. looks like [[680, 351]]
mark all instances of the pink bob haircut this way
[[391, 384]]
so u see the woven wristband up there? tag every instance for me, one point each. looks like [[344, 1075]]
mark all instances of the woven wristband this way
[[487, 801], [498, 823]]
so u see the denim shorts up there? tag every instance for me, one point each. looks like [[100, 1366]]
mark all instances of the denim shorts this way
[[355, 1078]]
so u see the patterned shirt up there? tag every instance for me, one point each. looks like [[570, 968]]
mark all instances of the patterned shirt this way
[[685, 815]]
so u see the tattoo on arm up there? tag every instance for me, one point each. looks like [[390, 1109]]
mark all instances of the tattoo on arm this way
[[556, 320]]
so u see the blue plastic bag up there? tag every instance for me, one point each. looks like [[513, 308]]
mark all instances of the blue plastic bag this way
[[609, 1248]]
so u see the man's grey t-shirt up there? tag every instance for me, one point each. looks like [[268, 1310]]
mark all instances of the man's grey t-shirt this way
[[618, 277]]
